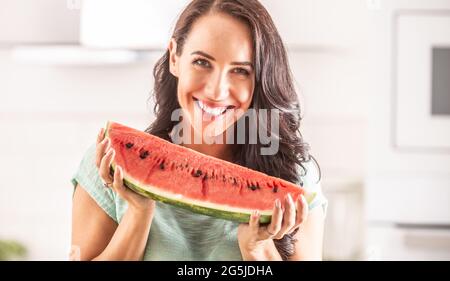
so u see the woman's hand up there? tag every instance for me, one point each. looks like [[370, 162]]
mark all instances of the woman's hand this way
[[104, 156], [256, 242]]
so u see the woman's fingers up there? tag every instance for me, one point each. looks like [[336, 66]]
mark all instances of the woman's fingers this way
[[275, 225], [102, 146], [134, 200], [101, 135], [254, 221], [302, 212], [288, 217], [105, 163], [117, 185], [101, 149], [284, 220]]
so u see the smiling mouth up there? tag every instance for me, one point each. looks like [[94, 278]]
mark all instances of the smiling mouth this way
[[213, 111]]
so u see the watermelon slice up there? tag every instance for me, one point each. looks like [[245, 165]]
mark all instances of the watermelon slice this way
[[180, 176]]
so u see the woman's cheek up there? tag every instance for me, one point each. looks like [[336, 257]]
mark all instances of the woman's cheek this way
[[243, 89], [189, 83], [194, 80], [244, 96]]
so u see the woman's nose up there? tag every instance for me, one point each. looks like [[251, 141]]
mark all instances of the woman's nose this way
[[218, 87]]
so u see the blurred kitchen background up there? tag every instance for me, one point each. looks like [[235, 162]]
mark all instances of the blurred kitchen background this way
[[374, 83]]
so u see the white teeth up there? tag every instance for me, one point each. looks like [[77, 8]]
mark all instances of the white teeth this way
[[216, 111]]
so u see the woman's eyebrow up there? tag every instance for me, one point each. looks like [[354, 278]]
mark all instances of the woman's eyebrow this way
[[213, 59]]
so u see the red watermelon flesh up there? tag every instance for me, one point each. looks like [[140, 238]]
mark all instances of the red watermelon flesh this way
[[180, 176]]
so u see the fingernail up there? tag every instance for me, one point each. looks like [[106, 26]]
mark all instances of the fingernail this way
[[289, 198], [277, 203], [256, 213], [303, 199]]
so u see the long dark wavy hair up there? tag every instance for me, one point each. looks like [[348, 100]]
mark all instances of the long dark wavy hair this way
[[274, 89]]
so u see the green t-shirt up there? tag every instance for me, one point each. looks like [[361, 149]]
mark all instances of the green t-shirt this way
[[175, 233]]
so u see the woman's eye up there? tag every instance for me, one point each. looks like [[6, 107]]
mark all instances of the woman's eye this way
[[241, 71], [201, 62]]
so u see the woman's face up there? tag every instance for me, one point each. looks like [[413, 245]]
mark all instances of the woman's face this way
[[215, 73]]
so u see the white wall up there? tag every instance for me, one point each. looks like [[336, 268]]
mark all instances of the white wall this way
[[43, 21], [48, 117]]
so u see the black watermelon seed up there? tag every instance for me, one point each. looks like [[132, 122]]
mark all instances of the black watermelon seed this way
[[253, 187], [144, 154], [234, 181], [197, 173], [161, 166], [301, 183], [129, 145], [275, 189]]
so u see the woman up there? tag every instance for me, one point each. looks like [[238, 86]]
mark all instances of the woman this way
[[222, 54]]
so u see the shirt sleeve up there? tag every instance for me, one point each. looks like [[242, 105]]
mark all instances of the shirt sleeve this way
[[88, 178], [312, 185]]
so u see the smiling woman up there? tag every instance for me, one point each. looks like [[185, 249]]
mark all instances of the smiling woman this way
[[217, 73], [219, 64]]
